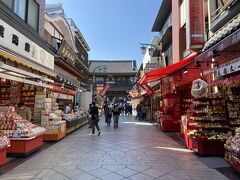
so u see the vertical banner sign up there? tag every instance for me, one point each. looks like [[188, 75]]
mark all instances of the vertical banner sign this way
[[105, 89], [133, 93], [196, 24], [147, 89]]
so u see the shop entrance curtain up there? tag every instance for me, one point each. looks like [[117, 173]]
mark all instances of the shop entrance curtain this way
[[157, 74]]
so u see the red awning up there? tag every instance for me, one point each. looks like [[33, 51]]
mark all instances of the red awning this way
[[157, 74]]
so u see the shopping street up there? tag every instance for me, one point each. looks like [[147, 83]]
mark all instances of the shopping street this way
[[136, 150]]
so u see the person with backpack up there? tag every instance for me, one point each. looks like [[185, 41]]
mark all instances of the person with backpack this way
[[94, 112]]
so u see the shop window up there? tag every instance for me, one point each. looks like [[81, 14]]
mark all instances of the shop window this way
[[33, 12], [28, 10], [20, 8], [100, 79]]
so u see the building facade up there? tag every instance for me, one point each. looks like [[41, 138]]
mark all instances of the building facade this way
[[120, 75], [71, 55]]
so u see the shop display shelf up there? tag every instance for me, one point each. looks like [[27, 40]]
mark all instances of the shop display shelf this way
[[24, 146], [54, 137], [205, 127], [204, 146], [3, 155], [60, 134], [207, 98], [5, 93]]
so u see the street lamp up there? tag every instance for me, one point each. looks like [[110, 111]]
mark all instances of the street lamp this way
[[151, 49]]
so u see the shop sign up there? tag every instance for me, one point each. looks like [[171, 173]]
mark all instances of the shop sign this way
[[62, 96], [231, 40], [199, 88], [99, 88], [228, 69], [78, 96], [62, 90], [16, 42], [196, 24], [133, 93], [147, 89], [106, 87], [151, 66], [66, 51]]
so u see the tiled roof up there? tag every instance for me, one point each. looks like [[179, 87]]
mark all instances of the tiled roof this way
[[118, 66], [227, 29]]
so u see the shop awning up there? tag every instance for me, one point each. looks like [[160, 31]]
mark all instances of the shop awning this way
[[15, 74], [157, 74], [26, 62]]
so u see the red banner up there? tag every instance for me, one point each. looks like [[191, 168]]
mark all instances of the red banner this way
[[196, 24], [105, 89], [133, 93], [146, 88]]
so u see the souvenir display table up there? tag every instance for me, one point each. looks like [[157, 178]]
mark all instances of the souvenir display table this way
[[24, 136]]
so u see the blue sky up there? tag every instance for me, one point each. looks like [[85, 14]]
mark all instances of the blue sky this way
[[113, 28]]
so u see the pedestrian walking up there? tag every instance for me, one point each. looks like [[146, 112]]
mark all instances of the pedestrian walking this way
[[95, 118], [109, 115], [139, 112], [105, 108], [89, 116], [144, 112], [116, 113]]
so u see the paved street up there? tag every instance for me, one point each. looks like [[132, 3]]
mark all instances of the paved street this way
[[137, 151]]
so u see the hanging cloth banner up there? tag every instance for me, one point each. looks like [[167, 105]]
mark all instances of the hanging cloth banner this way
[[146, 88], [105, 89]]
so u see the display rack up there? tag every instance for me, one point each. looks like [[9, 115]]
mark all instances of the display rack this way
[[74, 124], [207, 125], [232, 146], [4, 94], [57, 132], [171, 113], [28, 97]]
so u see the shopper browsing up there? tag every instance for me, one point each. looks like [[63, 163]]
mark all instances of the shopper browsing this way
[[68, 109], [24, 112]]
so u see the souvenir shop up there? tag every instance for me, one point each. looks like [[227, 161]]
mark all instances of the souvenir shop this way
[[201, 99], [26, 70]]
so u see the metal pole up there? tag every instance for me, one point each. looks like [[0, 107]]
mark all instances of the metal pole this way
[[93, 88]]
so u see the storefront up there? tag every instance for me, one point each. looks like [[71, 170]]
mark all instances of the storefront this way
[[170, 94], [224, 84], [26, 70]]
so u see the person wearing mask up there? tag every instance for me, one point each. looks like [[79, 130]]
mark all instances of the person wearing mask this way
[[94, 118], [24, 112], [116, 109]]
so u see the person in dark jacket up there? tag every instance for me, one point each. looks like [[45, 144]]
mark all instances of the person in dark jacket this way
[[108, 114], [94, 118], [116, 109]]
